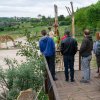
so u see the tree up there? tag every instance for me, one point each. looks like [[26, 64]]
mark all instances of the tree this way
[[39, 16], [61, 18]]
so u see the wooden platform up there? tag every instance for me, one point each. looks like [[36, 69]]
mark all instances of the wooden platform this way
[[77, 90]]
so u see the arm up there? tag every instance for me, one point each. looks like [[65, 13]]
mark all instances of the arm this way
[[40, 46], [94, 47], [53, 44], [83, 46], [76, 46]]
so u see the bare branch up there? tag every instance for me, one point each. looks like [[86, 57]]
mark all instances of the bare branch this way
[[4, 81], [68, 11]]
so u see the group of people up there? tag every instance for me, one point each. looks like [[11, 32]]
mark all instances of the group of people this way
[[68, 48]]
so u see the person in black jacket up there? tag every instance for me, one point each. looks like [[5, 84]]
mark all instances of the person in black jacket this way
[[68, 49], [86, 55]]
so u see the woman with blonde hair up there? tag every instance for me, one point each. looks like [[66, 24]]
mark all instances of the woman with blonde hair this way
[[96, 48]]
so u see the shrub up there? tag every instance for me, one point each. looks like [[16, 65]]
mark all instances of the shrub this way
[[27, 75]]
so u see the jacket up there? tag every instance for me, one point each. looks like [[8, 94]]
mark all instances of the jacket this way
[[95, 47], [47, 46], [86, 46], [68, 46]]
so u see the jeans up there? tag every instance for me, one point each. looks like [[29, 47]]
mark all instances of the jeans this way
[[69, 64], [51, 64], [85, 63]]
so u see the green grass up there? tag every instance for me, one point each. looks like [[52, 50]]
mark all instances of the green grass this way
[[27, 26], [14, 34]]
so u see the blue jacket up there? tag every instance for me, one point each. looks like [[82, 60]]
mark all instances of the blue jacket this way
[[47, 46]]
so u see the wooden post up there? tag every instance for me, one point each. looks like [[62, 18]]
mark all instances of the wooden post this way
[[56, 25], [73, 26], [71, 13], [79, 61], [51, 94], [46, 82], [56, 19]]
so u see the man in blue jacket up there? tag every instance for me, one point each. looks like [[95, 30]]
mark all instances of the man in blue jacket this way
[[47, 47]]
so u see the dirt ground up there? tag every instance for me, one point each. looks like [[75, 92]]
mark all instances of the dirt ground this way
[[10, 52]]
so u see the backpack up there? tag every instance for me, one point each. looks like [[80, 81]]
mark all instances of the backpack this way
[[98, 48]]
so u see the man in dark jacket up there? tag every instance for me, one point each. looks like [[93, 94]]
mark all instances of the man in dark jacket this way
[[68, 49], [47, 47], [85, 52]]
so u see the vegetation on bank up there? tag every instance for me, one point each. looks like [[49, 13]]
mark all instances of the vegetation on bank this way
[[29, 74]]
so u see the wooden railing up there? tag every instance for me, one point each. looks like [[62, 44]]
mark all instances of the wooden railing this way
[[59, 61], [50, 87]]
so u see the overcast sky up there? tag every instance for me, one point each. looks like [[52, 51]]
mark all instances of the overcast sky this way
[[32, 8]]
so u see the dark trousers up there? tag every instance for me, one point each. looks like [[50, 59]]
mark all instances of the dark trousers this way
[[69, 64], [51, 64]]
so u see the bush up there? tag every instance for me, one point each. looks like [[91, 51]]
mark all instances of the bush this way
[[62, 23], [27, 75]]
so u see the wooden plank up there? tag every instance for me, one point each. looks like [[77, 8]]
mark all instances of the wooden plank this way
[[74, 91]]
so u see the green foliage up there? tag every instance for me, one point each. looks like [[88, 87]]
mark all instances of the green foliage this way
[[68, 20], [61, 18], [88, 17], [93, 14], [29, 74], [63, 23]]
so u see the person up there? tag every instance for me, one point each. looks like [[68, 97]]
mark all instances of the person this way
[[68, 49], [86, 56], [51, 33], [64, 37], [96, 49], [47, 47]]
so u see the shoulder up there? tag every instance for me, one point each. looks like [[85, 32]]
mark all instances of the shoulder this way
[[85, 40], [74, 39], [43, 38]]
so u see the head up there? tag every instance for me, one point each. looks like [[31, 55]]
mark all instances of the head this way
[[67, 33], [49, 28], [98, 35], [86, 32], [43, 32]]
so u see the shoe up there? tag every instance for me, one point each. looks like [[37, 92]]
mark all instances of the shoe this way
[[82, 78], [72, 80], [67, 80], [55, 79], [97, 71], [84, 81]]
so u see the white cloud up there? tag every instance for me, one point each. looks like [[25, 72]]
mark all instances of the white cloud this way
[[31, 8]]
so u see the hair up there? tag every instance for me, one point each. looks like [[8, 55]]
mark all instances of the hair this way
[[67, 32], [87, 32], [43, 32], [49, 28], [98, 35]]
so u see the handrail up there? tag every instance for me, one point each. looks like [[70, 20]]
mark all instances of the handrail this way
[[55, 92], [79, 63]]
